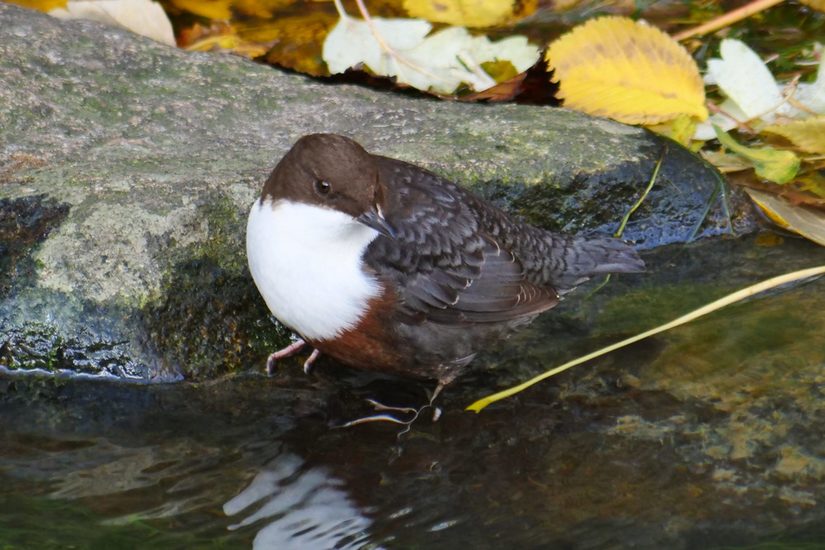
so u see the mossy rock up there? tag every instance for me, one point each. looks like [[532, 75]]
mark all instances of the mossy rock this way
[[151, 157]]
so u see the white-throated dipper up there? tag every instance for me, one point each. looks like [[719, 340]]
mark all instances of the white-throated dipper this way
[[388, 267]]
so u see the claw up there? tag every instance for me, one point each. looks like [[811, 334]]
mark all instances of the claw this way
[[283, 353], [310, 360]]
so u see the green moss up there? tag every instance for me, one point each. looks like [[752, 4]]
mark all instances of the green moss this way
[[225, 244], [208, 318], [643, 308], [46, 346], [210, 321]]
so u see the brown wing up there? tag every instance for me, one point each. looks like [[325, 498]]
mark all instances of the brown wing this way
[[445, 266]]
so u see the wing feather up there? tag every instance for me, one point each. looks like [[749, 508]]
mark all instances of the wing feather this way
[[447, 268]]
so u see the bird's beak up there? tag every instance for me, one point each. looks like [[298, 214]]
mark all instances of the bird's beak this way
[[374, 218]]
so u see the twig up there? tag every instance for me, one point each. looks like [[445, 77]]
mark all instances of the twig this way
[[693, 315], [728, 19]]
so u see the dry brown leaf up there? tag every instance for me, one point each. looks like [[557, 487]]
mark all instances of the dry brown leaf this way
[[808, 222], [294, 42]]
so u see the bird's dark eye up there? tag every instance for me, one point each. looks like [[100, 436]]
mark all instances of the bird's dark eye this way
[[323, 187]]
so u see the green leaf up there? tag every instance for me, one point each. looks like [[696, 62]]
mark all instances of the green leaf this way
[[772, 164]]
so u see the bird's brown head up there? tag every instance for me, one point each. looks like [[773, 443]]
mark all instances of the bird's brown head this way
[[334, 172]]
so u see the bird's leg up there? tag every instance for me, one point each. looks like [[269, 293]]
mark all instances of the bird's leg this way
[[283, 353], [310, 360]]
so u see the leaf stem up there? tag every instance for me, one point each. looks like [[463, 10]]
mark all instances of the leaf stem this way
[[693, 315], [383, 43], [727, 19], [639, 202]]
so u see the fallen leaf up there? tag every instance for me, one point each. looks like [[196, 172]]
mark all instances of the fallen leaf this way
[[471, 13], [262, 9], [818, 5], [745, 79], [680, 129], [812, 96], [351, 43], [402, 48], [210, 9], [503, 91], [500, 71], [753, 93], [42, 5], [296, 41], [769, 163], [628, 71], [808, 134], [528, 87], [142, 17], [230, 42], [728, 118], [808, 222], [812, 182], [726, 162]]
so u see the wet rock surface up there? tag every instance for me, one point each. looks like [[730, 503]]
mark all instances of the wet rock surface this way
[[153, 155]]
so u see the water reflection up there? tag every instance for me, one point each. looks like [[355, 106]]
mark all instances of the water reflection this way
[[705, 437], [298, 507]]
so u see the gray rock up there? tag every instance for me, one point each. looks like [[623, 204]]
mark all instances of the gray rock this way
[[127, 168]]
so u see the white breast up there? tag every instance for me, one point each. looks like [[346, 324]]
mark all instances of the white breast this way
[[307, 264]]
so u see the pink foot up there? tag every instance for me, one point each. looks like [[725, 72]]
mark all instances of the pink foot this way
[[310, 360], [288, 351]]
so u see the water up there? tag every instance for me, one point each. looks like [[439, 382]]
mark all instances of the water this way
[[710, 436]]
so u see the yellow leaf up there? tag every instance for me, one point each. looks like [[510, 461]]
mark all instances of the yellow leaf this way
[[263, 9], [772, 164], [470, 13], [634, 73], [500, 70], [42, 5], [808, 222], [227, 42], [210, 9], [296, 40], [813, 182], [680, 129], [808, 134]]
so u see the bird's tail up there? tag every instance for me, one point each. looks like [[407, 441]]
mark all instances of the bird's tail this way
[[581, 258]]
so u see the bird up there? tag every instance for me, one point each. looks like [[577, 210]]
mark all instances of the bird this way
[[386, 266]]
